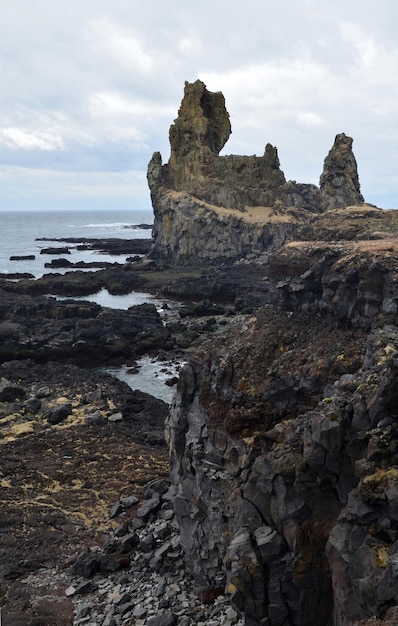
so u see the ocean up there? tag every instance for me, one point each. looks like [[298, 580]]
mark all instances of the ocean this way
[[20, 231], [20, 234]]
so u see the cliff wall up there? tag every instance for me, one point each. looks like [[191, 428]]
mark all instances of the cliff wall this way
[[283, 439]]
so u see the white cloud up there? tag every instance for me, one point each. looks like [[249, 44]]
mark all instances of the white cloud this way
[[30, 140], [374, 63]]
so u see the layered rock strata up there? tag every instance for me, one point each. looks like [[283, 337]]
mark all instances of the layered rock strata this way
[[211, 207]]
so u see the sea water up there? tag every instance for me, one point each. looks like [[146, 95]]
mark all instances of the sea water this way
[[21, 233]]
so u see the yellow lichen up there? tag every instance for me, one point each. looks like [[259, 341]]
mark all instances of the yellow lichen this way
[[382, 554], [381, 475], [26, 428], [9, 418], [61, 400]]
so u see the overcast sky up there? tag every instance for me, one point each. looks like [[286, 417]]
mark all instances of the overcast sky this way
[[89, 89]]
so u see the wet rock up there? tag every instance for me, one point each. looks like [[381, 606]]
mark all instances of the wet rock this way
[[46, 329], [50, 250], [26, 257]]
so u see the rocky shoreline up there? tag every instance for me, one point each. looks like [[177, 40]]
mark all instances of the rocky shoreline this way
[[272, 500], [56, 419]]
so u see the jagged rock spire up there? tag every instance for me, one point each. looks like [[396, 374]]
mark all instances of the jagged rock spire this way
[[202, 123], [339, 181]]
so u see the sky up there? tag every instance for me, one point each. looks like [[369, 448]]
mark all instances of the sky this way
[[89, 89]]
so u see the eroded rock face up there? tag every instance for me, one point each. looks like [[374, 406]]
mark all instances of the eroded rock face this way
[[283, 448], [210, 207]]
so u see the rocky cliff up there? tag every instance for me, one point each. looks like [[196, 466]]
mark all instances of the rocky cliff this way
[[210, 207], [283, 431], [283, 438]]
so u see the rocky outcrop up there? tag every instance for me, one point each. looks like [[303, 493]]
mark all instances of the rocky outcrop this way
[[211, 207], [339, 181], [84, 333], [283, 445]]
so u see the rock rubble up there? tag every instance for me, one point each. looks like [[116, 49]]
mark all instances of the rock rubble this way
[[138, 576]]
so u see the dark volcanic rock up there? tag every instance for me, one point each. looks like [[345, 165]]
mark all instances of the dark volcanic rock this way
[[55, 251], [27, 257], [283, 450], [81, 332], [16, 275], [118, 278], [108, 246]]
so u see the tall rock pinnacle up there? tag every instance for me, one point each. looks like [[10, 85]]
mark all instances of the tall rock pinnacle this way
[[339, 181], [202, 124]]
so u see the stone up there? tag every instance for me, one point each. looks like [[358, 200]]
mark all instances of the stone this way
[[10, 392], [168, 619], [128, 543], [60, 413], [149, 507], [129, 501], [116, 509], [87, 564], [115, 417]]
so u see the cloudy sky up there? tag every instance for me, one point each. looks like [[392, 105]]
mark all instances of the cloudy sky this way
[[89, 89]]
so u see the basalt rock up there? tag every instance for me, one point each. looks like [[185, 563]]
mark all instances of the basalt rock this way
[[283, 444], [81, 332], [210, 207]]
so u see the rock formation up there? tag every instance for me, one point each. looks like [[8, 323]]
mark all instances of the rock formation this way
[[283, 430], [339, 181], [211, 207]]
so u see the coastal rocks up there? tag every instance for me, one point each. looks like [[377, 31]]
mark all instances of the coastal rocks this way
[[46, 329], [36, 397], [193, 232], [57, 250], [106, 246], [27, 257], [210, 207], [118, 279], [354, 281], [195, 167]]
